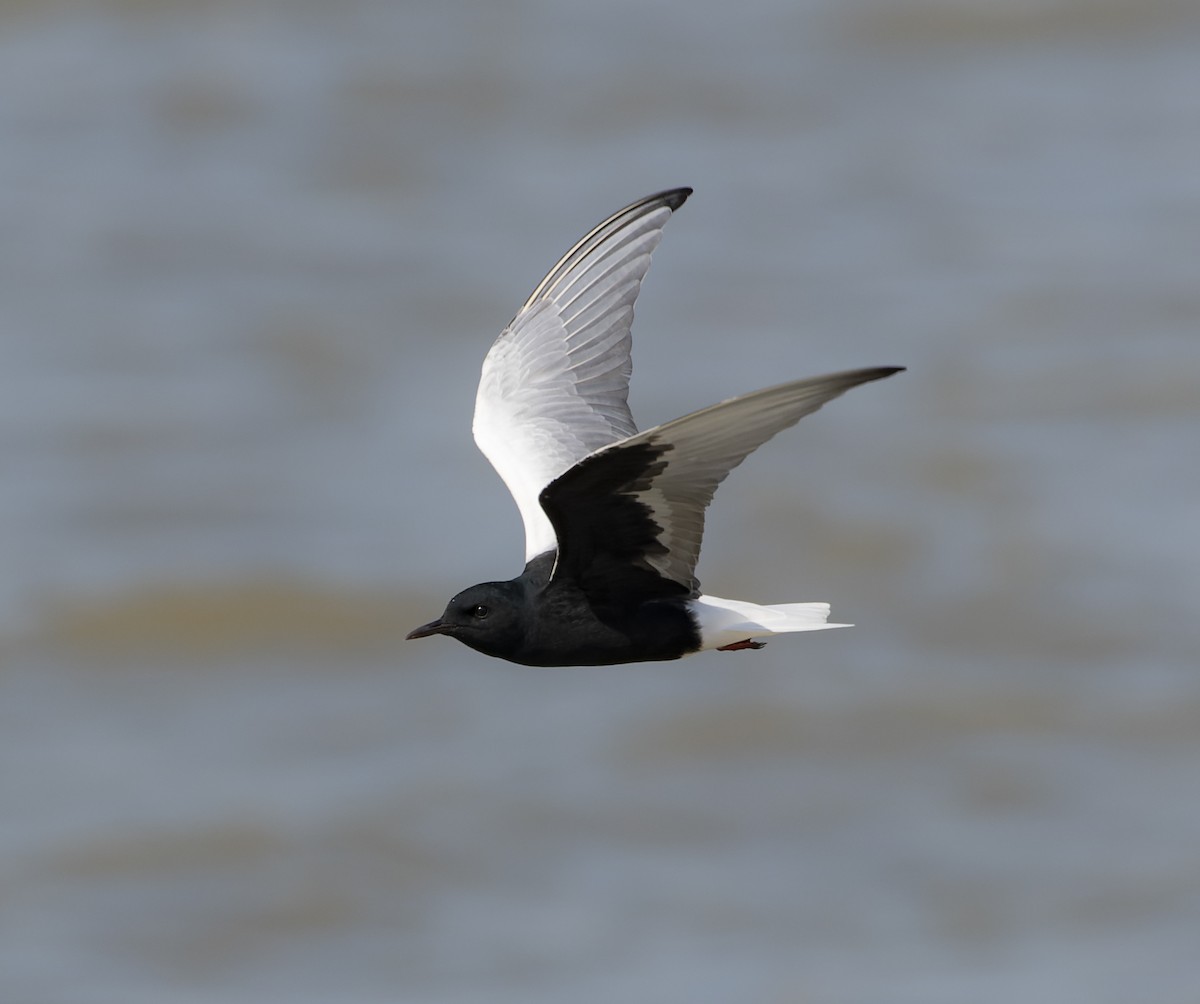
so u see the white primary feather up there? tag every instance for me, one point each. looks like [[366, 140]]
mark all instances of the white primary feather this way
[[555, 384]]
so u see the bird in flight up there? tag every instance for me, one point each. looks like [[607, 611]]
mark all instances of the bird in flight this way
[[613, 517]]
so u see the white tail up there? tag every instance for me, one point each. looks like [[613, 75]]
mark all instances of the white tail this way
[[725, 622]]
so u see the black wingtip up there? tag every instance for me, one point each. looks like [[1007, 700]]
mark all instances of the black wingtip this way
[[672, 198], [856, 378]]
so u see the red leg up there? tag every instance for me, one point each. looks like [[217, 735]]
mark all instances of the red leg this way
[[743, 645]]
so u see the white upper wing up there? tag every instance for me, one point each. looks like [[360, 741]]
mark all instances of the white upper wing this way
[[555, 384]]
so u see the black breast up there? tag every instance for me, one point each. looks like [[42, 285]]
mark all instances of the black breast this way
[[564, 628]]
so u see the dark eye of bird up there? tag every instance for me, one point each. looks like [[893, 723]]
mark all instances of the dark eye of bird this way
[[479, 610]]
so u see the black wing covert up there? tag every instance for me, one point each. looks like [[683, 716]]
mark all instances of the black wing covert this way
[[629, 518]]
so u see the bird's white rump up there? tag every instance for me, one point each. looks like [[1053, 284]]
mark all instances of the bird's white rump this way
[[727, 622]]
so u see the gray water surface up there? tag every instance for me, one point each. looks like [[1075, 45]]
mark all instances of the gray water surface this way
[[251, 256]]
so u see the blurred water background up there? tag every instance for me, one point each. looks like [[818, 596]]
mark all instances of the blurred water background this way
[[251, 256]]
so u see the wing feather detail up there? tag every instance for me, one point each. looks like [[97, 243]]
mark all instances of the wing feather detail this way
[[630, 516], [555, 384]]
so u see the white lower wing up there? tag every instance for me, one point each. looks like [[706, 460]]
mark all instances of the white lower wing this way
[[555, 384]]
